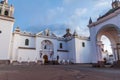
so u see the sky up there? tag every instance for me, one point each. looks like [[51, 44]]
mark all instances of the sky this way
[[57, 15]]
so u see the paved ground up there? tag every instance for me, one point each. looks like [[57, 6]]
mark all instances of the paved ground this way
[[58, 72]]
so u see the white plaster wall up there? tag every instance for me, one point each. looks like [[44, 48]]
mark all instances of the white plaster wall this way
[[82, 53], [31, 41], [5, 39], [93, 44], [62, 55], [16, 43], [72, 50], [26, 55], [64, 45], [19, 41]]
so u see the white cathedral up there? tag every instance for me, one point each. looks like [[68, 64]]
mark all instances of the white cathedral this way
[[19, 46]]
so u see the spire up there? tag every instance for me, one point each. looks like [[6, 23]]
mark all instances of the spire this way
[[90, 20], [75, 34]]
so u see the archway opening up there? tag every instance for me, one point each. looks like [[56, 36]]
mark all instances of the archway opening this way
[[108, 37], [107, 53]]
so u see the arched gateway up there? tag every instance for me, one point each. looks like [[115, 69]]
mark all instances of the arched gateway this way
[[108, 25], [112, 33]]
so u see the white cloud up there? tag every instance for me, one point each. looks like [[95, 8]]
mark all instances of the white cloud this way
[[75, 21], [80, 11], [53, 13], [59, 9], [76, 16], [102, 4]]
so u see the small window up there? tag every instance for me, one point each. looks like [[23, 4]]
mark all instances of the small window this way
[[83, 44], [0, 31], [61, 46], [0, 11], [45, 47], [26, 42], [6, 13]]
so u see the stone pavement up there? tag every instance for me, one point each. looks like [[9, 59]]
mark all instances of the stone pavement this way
[[57, 72]]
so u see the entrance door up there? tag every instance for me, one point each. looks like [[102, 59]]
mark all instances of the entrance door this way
[[45, 57]]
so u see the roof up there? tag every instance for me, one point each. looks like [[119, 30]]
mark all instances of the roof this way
[[108, 13]]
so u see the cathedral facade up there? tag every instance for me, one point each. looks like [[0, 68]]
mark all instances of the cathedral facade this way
[[45, 46]]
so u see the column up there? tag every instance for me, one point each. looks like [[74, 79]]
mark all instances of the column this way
[[118, 51], [99, 50], [114, 50]]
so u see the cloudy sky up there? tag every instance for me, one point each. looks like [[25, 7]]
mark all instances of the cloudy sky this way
[[57, 15]]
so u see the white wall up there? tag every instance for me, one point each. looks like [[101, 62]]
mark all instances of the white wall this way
[[62, 55], [5, 38], [82, 53], [19, 41], [26, 55], [31, 41], [72, 52]]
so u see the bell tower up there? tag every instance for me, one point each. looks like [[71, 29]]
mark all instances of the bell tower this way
[[6, 27]]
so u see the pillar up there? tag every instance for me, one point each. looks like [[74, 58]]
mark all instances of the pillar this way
[[99, 50], [118, 51], [114, 50], [99, 53]]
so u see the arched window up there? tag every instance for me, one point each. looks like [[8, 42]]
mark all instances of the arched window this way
[[83, 44], [61, 46], [6, 13], [27, 42]]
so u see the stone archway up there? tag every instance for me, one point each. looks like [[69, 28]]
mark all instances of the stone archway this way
[[112, 32]]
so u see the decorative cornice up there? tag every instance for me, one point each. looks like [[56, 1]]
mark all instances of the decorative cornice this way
[[105, 18], [25, 34], [7, 18], [26, 48], [62, 50], [46, 37]]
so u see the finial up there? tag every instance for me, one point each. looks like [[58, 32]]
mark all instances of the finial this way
[[17, 29], [90, 20], [68, 30], [75, 33]]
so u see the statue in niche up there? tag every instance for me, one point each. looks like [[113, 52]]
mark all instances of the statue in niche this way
[[47, 32]]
